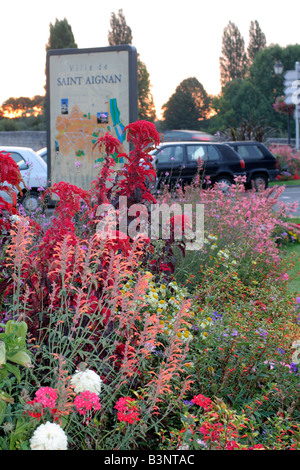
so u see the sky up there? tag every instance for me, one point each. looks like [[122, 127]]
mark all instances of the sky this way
[[175, 39]]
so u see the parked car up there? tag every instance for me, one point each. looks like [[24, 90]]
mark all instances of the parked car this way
[[43, 153], [176, 161], [186, 135], [33, 170], [260, 163]]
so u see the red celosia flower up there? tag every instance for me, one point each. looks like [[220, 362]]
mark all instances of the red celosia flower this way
[[110, 143], [142, 134], [9, 173]]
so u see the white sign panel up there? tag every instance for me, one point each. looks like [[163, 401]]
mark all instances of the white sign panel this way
[[290, 75], [89, 92]]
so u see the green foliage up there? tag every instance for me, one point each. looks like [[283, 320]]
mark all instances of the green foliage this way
[[187, 107], [146, 108], [120, 32], [61, 36], [233, 62], [13, 348], [240, 100], [257, 41]]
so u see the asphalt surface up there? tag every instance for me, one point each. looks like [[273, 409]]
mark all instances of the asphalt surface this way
[[290, 195]]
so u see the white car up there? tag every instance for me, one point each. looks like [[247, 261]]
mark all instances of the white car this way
[[33, 170], [43, 153]]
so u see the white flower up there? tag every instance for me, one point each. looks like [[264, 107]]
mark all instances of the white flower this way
[[49, 436], [15, 218], [86, 380]]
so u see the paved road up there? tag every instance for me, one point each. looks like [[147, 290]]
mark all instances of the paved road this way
[[291, 194]]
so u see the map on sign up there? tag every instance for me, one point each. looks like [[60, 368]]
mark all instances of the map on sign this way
[[78, 132], [90, 92]]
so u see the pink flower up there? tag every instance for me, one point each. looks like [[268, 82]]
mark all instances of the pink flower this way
[[87, 401], [47, 396], [201, 400], [127, 411]]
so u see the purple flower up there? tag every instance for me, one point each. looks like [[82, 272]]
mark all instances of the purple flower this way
[[188, 403], [294, 367], [262, 332], [216, 316]]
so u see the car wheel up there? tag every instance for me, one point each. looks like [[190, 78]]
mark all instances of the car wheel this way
[[31, 202], [226, 181], [259, 182]]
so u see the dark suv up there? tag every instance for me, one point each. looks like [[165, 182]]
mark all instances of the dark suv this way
[[260, 163], [179, 161]]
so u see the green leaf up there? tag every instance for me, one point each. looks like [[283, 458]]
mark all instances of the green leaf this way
[[20, 357], [3, 406], [14, 370]]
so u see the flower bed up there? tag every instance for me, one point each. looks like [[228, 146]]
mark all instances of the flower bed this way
[[132, 342], [288, 162]]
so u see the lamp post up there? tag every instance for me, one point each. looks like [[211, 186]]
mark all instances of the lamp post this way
[[278, 69]]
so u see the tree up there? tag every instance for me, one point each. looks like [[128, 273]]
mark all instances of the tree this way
[[187, 106], [61, 36], [257, 41], [240, 101], [23, 107], [270, 85], [120, 32], [146, 108], [233, 62]]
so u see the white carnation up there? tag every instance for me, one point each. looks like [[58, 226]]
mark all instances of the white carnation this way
[[49, 436], [86, 380]]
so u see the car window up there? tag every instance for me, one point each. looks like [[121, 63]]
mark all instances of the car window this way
[[202, 152], [19, 160], [250, 151], [213, 154], [170, 154], [196, 152]]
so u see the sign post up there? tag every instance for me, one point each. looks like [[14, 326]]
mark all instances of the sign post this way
[[292, 95], [89, 92]]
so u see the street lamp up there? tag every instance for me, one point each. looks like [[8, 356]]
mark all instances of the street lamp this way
[[278, 68]]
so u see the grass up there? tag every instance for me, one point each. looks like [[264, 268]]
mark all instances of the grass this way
[[293, 252], [285, 183]]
